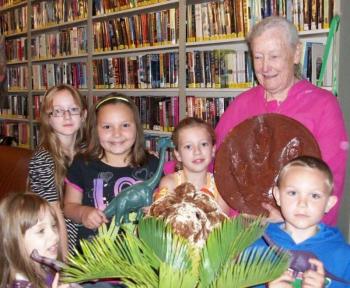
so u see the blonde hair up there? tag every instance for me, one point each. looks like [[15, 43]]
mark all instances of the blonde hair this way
[[138, 154], [309, 162], [49, 139], [18, 213]]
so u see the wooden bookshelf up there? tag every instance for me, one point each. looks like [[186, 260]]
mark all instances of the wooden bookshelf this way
[[218, 36]]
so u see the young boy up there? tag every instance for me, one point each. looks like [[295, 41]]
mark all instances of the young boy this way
[[304, 193]]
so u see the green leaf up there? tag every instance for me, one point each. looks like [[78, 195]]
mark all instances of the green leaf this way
[[253, 267], [173, 278], [230, 238], [168, 246]]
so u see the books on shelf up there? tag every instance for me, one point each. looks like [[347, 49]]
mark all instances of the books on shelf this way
[[50, 74], [219, 69], [14, 21], [210, 109], [18, 130], [225, 19], [142, 30], [311, 61], [17, 77], [50, 13], [136, 72], [66, 42], [18, 107]]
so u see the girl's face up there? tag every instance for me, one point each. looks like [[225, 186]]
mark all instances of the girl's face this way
[[195, 149], [43, 236], [116, 130], [66, 117]]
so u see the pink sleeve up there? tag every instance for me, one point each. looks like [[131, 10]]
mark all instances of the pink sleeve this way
[[332, 137]]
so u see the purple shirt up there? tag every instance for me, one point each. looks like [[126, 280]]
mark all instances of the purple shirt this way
[[317, 109]]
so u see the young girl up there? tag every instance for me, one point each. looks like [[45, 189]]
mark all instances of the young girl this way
[[115, 159], [63, 112], [28, 222], [194, 142]]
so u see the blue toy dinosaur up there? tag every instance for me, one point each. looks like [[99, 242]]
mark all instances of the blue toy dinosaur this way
[[135, 197]]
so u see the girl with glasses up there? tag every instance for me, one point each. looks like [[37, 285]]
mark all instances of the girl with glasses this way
[[62, 114]]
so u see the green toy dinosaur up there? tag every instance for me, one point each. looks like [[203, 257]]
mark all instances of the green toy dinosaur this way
[[134, 198]]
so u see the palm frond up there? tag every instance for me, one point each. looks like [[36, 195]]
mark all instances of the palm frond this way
[[168, 246], [157, 257], [231, 238], [253, 267], [174, 278], [116, 257]]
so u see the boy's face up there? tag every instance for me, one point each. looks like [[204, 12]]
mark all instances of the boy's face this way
[[195, 149], [304, 197], [43, 236]]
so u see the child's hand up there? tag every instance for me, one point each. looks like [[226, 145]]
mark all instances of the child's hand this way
[[284, 281], [93, 218], [314, 278]]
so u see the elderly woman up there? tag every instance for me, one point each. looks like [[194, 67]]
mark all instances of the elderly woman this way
[[276, 51]]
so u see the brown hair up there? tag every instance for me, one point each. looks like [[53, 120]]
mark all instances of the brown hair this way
[[94, 150], [192, 122], [49, 139], [18, 213], [310, 162]]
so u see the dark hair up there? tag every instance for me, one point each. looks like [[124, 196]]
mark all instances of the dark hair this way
[[310, 162], [94, 149], [192, 122]]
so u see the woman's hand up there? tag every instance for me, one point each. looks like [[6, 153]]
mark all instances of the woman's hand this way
[[284, 281], [92, 218], [314, 278], [274, 214]]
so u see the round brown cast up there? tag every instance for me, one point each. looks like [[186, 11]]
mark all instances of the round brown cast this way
[[251, 156]]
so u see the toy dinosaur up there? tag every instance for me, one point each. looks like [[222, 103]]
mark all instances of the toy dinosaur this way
[[299, 261], [135, 197], [51, 263]]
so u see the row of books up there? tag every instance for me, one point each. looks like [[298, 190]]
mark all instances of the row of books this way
[[234, 18], [102, 7], [17, 77], [158, 113], [209, 109], [18, 107], [311, 62], [143, 72], [16, 49], [14, 21], [50, 74], [53, 12], [9, 3], [157, 28], [18, 130], [66, 42], [219, 69]]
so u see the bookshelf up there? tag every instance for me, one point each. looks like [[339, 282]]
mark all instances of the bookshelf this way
[[190, 33], [22, 34]]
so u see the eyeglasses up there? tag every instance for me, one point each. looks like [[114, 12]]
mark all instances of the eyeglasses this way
[[59, 111]]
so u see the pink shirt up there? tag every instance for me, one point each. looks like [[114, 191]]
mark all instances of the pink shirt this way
[[316, 108]]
